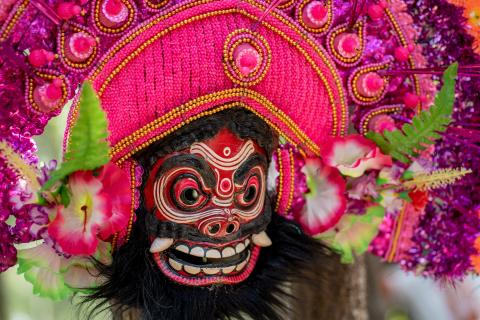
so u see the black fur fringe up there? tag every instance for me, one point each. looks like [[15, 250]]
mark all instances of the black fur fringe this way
[[134, 281]]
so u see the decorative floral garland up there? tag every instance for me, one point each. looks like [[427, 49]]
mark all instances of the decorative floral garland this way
[[75, 209], [360, 187]]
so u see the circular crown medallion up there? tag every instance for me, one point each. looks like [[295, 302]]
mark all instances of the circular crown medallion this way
[[246, 57]]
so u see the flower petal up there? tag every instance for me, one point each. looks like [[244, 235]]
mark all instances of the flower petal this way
[[41, 256], [75, 227], [47, 283], [325, 203], [41, 267], [353, 155], [81, 278], [116, 184]]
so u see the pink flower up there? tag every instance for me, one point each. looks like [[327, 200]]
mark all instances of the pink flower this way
[[353, 155], [99, 207], [325, 201]]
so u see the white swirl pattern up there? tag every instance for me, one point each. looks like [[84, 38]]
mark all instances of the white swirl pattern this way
[[227, 164]]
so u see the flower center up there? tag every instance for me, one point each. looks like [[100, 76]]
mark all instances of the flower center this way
[[85, 210]]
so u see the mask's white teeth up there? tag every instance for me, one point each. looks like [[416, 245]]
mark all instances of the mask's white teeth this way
[[228, 252], [182, 248], [211, 271], [241, 265], [191, 269], [197, 252], [240, 247], [213, 253], [261, 239], [228, 270], [161, 244], [175, 265]]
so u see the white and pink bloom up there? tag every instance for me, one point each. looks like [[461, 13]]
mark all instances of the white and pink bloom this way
[[56, 276], [99, 206], [353, 155], [325, 200]]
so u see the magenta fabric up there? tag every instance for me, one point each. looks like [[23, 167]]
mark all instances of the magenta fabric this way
[[187, 63]]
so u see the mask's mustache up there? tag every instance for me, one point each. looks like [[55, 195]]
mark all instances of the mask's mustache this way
[[167, 229]]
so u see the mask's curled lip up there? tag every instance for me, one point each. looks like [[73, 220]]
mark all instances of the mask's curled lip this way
[[202, 264]]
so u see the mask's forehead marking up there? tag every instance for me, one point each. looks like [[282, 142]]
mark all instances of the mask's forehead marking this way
[[226, 161]]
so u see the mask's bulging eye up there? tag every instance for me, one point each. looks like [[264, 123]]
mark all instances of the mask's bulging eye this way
[[249, 195], [187, 194]]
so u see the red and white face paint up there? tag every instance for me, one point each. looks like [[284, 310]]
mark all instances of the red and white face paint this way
[[216, 187]]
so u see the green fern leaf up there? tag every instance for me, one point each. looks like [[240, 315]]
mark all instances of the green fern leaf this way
[[425, 128], [88, 148]]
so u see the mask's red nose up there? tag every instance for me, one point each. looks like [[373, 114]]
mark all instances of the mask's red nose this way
[[217, 227]]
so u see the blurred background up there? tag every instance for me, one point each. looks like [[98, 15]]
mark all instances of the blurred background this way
[[392, 295]]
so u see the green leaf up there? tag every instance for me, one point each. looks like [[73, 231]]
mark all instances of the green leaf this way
[[88, 148], [381, 181], [64, 195], [425, 128], [407, 175], [354, 233], [404, 195]]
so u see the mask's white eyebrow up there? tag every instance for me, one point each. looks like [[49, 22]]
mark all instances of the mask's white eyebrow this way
[[254, 160]]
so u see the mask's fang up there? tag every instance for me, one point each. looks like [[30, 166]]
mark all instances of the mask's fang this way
[[161, 244], [261, 239]]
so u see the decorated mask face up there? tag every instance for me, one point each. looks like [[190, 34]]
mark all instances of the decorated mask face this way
[[212, 196]]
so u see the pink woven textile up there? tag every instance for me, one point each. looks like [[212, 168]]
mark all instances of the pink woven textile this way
[[175, 68]]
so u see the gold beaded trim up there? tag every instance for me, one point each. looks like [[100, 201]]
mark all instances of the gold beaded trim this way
[[18, 13], [133, 188], [109, 30], [292, 181], [225, 94], [31, 87], [114, 242], [119, 45], [229, 61], [68, 62], [299, 16], [359, 26], [353, 83], [133, 183], [285, 5], [156, 6], [327, 62], [71, 119], [367, 119], [404, 42], [280, 179]]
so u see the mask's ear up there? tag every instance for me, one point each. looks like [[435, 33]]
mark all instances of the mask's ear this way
[[287, 181]]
